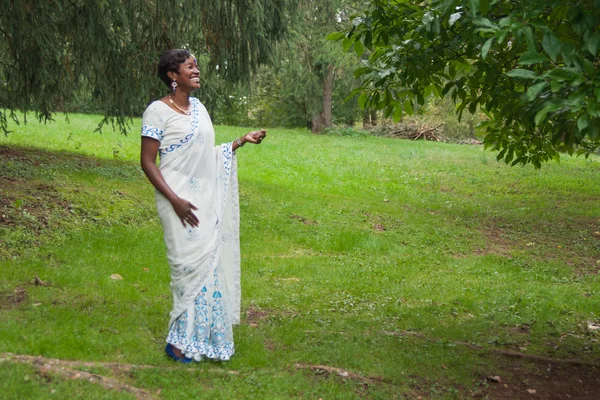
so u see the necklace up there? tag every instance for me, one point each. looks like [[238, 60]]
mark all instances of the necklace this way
[[186, 112]]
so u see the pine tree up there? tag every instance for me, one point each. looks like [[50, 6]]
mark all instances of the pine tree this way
[[51, 49]]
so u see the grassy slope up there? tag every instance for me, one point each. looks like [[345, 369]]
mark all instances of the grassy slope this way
[[369, 254]]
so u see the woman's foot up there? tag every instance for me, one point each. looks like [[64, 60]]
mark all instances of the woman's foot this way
[[176, 354]]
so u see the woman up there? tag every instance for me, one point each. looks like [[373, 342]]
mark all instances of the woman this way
[[197, 201]]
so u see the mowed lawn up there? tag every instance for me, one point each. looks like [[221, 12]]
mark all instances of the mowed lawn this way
[[371, 268]]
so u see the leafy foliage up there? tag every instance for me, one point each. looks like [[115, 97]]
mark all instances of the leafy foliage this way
[[531, 66], [291, 92], [50, 50]]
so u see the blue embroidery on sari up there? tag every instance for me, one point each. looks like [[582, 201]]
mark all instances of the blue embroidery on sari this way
[[152, 132], [209, 333], [195, 123], [227, 162], [194, 184], [192, 233]]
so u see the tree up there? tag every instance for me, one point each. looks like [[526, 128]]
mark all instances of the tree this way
[[531, 66], [303, 86], [50, 49], [313, 74]]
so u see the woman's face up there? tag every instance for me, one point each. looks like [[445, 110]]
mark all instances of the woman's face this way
[[188, 75]]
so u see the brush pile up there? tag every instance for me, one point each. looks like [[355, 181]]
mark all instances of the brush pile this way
[[412, 131]]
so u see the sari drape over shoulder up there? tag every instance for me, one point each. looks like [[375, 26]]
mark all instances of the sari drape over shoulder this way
[[205, 260]]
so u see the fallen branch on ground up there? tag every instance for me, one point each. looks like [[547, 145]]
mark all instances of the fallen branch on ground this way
[[413, 132], [70, 369], [115, 367], [425, 133], [47, 367], [342, 373], [504, 352]]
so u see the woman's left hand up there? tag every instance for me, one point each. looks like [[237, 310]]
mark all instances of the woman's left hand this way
[[255, 137]]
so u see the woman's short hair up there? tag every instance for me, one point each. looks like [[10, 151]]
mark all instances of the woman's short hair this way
[[170, 62]]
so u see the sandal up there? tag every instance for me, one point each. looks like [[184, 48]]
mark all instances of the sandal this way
[[171, 353]]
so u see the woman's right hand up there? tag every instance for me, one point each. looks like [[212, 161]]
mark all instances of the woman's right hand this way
[[255, 137], [184, 208]]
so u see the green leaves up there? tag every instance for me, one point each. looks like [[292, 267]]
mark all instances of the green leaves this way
[[484, 6], [530, 58], [474, 5], [335, 36], [448, 7], [593, 43], [551, 45], [534, 90], [359, 48], [526, 64], [362, 99], [522, 73], [408, 107], [398, 113], [482, 21], [347, 43], [583, 122], [486, 47], [541, 115]]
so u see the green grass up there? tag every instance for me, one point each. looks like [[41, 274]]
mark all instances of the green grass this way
[[369, 254]]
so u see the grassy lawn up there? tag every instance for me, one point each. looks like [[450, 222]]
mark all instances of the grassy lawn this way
[[372, 268]]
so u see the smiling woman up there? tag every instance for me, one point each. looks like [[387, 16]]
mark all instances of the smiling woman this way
[[197, 201]]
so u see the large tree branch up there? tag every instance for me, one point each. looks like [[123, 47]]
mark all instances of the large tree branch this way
[[6, 34]]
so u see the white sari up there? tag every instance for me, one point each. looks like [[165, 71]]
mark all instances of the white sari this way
[[204, 261]]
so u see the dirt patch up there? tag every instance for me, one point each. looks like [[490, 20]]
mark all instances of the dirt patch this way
[[381, 223], [520, 329], [305, 221], [379, 227], [13, 299], [12, 153], [573, 241], [25, 201], [255, 315], [30, 203], [270, 344], [532, 379], [495, 242]]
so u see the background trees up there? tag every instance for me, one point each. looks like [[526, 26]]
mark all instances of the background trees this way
[[532, 67], [51, 50], [310, 77]]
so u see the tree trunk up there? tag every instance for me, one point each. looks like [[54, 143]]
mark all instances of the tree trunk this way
[[374, 117], [366, 119], [317, 123], [322, 120], [327, 96]]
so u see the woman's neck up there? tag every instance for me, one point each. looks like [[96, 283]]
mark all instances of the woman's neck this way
[[181, 98]]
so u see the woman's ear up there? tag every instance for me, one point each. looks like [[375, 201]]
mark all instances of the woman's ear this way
[[171, 75]]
